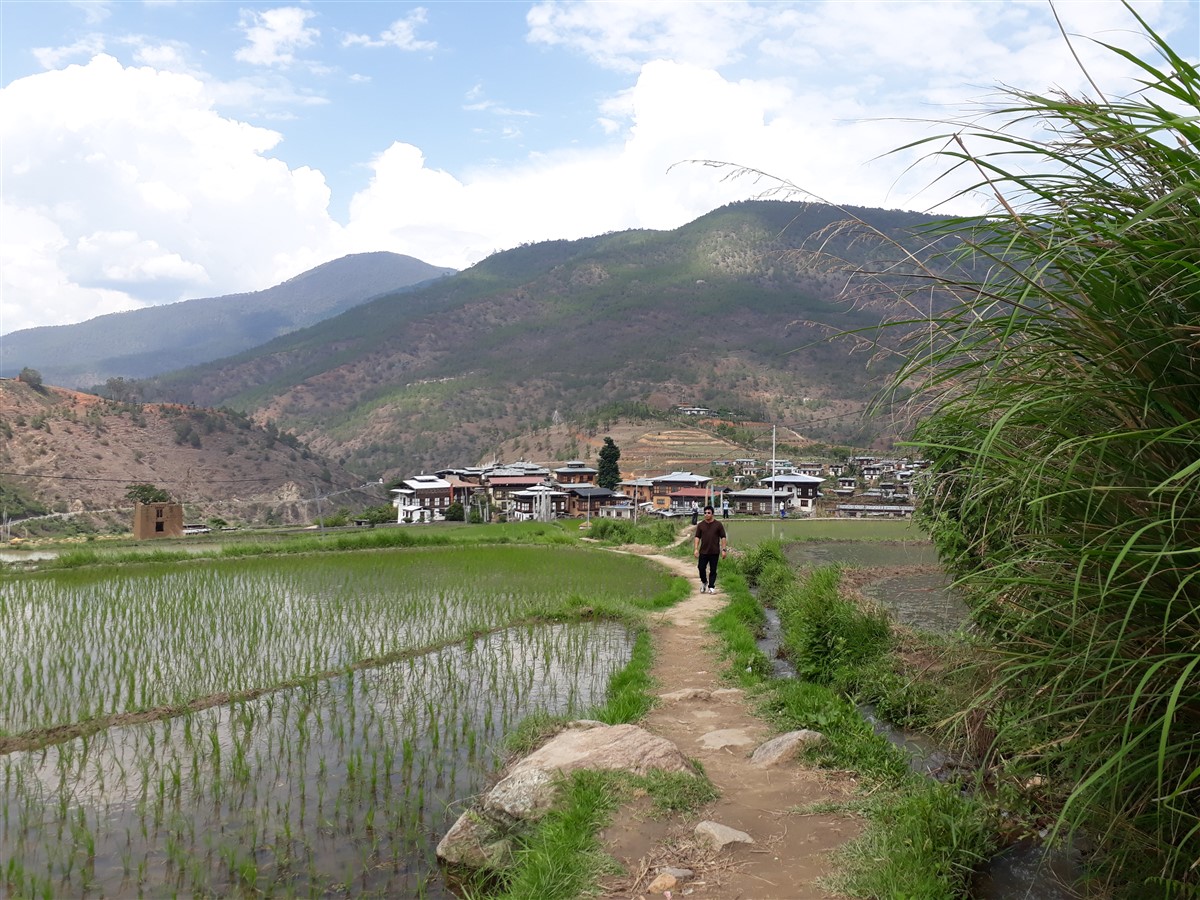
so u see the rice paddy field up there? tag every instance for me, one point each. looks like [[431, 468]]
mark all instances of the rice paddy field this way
[[745, 533], [282, 726]]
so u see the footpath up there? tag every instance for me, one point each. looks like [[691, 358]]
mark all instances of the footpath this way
[[712, 723]]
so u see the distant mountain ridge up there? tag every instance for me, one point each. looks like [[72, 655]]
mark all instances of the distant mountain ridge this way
[[732, 312], [145, 342]]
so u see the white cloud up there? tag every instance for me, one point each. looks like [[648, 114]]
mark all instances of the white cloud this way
[[131, 185], [402, 34], [84, 48], [94, 11], [124, 186], [623, 35], [275, 35]]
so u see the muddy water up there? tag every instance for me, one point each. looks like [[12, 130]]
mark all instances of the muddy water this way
[[336, 788]]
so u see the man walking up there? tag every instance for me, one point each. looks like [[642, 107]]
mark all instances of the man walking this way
[[708, 546]]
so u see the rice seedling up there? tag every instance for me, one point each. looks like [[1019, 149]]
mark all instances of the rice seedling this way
[[353, 716]]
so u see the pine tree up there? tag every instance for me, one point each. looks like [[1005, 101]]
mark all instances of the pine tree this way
[[608, 472]]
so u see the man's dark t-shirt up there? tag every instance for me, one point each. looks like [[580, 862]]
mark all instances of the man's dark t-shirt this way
[[710, 534]]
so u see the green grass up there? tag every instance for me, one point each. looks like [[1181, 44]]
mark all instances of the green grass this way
[[922, 839], [1059, 380]]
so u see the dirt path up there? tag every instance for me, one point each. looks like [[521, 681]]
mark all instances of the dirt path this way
[[790, 850]]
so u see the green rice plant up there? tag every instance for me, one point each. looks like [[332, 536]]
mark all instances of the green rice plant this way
[[83, 645], [1061, 413]]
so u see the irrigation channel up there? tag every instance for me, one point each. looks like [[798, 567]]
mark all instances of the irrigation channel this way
[[926, 601], [285, 726]]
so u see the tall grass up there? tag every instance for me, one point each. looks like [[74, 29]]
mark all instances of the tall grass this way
[[1062, 391]]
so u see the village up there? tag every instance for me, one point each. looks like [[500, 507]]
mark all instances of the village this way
[[861, 486]]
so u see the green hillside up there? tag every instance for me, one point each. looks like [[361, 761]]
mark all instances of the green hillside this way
[[733, 311]]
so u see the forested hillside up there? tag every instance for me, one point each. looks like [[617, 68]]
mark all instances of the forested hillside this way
[[733, 311]]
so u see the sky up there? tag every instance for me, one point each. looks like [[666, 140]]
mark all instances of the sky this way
[[153, 151]]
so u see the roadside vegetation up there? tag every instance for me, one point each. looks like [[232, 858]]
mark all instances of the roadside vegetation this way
[[925, 838], [1062, 409]]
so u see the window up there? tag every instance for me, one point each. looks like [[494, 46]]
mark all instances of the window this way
[[160, 526]]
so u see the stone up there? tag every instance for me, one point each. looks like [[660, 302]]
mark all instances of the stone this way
[[720, 836], [625, 747], [663, 882], [686, 694], [523, 795], [474, 844], [679, 874], [482, 837], [728, 694], [782, 748], [726, 737]]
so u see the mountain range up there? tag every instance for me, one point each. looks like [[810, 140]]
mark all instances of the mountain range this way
[[734, 312], [537, 352], [155, 339]]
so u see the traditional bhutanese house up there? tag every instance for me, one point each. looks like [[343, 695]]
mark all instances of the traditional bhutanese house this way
[[575, 472], [584, 500], [666, 485], [538, 502], [756, 501], [622, 510], [847, 482], [640, 489], [428, 494], [157, 520], [815, 469], [461, 489], [503, 483], [747, 466], [682, 499], [803, 489]]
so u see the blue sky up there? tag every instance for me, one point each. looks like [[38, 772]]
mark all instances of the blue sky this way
[[157, 151]]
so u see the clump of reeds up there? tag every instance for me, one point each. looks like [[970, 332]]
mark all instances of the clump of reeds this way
[[1060, 390]]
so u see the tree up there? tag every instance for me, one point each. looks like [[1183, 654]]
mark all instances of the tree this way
[[146, 493], [379, 515], [609, 473], [455, 512], [31, 377]]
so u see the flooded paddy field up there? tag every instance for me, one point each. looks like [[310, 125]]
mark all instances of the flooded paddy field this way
[[292, 727]]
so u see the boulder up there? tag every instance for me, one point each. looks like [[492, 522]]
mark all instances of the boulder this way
[[784, 747], [482, 837], [473, 843]]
